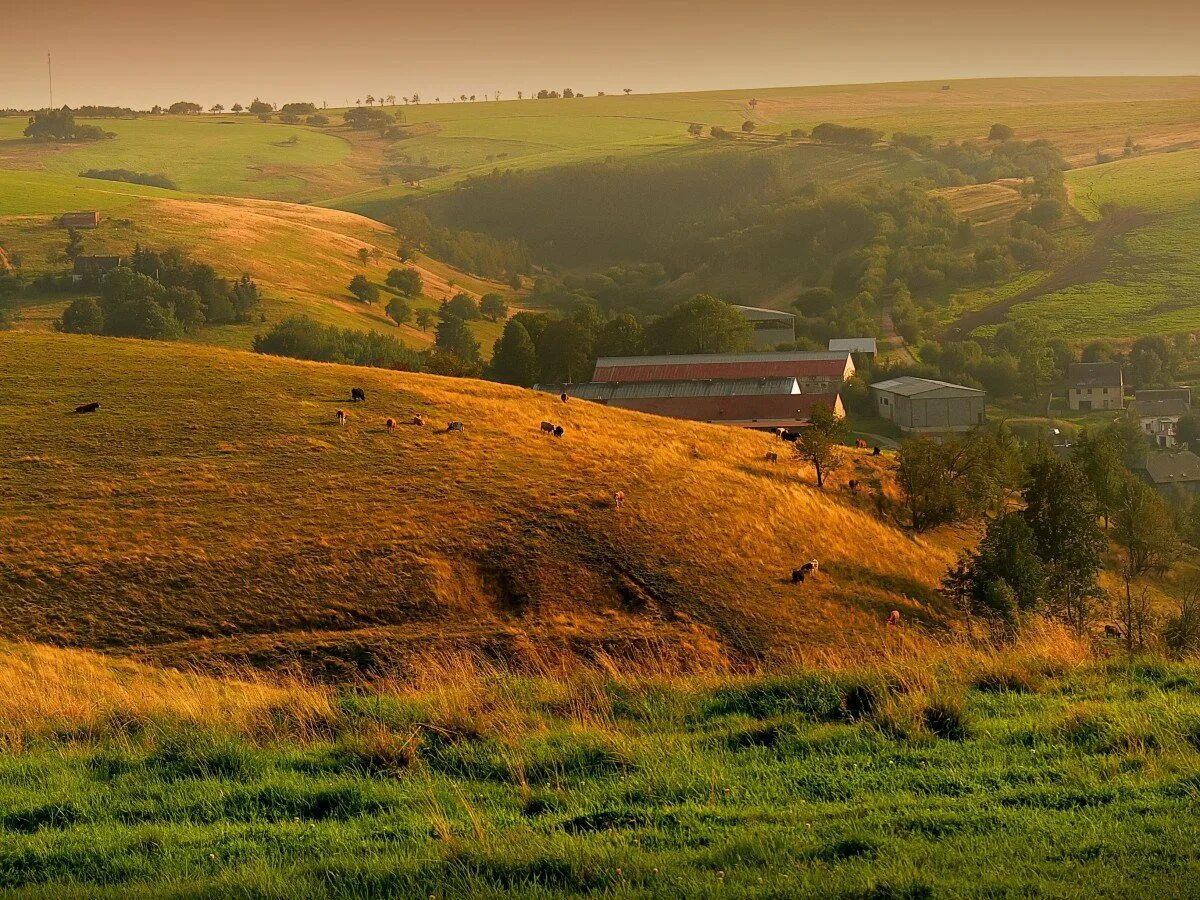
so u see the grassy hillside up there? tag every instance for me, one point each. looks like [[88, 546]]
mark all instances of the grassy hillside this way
[[213, 510], [302, 257]]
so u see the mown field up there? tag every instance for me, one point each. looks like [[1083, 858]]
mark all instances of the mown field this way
[[1148, 282], [1026, 773]]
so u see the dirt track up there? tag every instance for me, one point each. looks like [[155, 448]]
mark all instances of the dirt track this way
[[1086, 267]]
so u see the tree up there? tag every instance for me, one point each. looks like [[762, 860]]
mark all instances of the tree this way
[[957, 479], [60, 125], [1000, 132], [82, 316], [461, 305], [363, 254], [237, 109], [621, 336], [363, 289], [407, 281], [1100, 456], [748, 127], [216, 108], [425, 319], [1144, 528], [399, 311], [493, 308], [514, 357], [702, 324], [184, 108], [74, 244], [819, 443], [565, 351], [1003, 578], [453, 336], [244, 299], [1061, 511], [260, 108], [186, 306], [1188, 430]]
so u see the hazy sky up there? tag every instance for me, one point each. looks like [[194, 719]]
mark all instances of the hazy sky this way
[[132, 52]]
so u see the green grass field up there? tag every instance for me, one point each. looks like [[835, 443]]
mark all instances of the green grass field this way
[[1150, 282]]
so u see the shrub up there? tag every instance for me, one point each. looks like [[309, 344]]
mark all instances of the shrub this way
[[83, 316]]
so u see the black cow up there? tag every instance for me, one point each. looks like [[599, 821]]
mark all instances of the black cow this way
[[87, 408], [877, 452], [558, 431], [357, 394], [789, 436]]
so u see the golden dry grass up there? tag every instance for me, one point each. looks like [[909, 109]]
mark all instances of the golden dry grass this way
[[212, 510]]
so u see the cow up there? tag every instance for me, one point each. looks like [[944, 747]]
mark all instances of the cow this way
[[619, 499], [87, 408], [852, 485], [357, 394], [860, 444], [877, 451], [419, 421], [456, 426], [340, 415], [809, 568], [391, 424], [789, 436], [559, 431], [772, 456], [894, 618], [548, 427], [563, 397]]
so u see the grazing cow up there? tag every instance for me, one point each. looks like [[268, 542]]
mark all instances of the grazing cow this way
[[790, 436], [419, 421], [391, 424], [772, 456], [563, 397], [341, 416], [779, 433], [357, 394], [87, 408], [860, 444], [456, 426], [894, 618], [876, 452], [619, 499], [852, 484], [558, 431], [809, 568], [548, 427], [1112, 631]]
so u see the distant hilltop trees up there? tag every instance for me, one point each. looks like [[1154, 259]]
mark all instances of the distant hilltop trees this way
[[60, 125]]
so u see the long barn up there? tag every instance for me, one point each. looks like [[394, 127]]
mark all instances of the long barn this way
[[816, 372]]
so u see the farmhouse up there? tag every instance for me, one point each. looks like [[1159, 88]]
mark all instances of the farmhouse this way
[[94, 268], [1158, 413], [764, 403], [79, 220], [817, 372], [771, 327], [866, 346], [1174, 472], [1095, 386], [923, 405]]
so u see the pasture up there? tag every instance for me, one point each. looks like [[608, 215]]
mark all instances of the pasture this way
[[1148, 282]]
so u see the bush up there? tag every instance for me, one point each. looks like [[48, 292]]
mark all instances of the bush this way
[[159, 180], [83, 316]]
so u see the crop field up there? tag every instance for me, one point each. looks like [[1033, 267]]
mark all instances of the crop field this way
[[1149, 283]]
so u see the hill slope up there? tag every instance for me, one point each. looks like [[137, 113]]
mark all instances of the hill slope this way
[[213, 510]]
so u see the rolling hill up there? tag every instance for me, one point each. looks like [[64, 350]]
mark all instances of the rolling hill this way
[[212, 511]]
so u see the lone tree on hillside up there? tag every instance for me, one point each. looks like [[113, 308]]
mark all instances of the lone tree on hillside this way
[[407, 281], [425, 318], [363, 289], [364, 255], [820, 443], [462, 306], [399, 311], [1000, 132], [493, 307]]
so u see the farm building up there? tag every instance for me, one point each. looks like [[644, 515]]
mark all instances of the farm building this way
[[744, 403], [924, 405], [771, 327], [866, 346], [1158, 413], [1095, 386], [94, 268], [817, 372], [79, 220], [1174, 472]]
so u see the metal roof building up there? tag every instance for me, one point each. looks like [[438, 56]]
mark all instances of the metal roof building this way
[[820, 372], [607, 391], [923, 405], [79, 220], [864, 345], [771, 327]]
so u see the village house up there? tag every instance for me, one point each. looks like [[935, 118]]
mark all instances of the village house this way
[[1158, 412], [770, 327], [1177, 472], [816, 372], [922, 405], [1092, 386]]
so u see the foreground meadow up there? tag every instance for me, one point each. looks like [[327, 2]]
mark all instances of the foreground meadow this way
[[1024, 773]]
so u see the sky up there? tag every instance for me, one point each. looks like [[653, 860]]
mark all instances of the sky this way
[[137, 53]]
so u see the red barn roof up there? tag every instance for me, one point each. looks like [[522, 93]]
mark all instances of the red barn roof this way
[[769, 411], [725, 366]]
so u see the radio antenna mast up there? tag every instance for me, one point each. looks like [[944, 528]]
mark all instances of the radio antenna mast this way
[[50, 78]]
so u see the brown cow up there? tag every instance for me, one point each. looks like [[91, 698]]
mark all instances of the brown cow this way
[[341, 416]]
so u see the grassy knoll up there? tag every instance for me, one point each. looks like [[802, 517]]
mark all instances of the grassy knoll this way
[[205, 472], [1147, 282], [1018, 774], [302, 257]]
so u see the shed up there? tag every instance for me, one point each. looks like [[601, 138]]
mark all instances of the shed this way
[[819, 372], [771, 327], [867, 346], [922, 405], [79, 220]]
